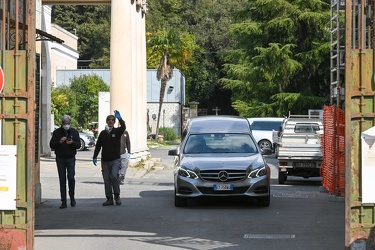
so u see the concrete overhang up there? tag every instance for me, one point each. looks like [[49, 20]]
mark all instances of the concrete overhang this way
[[76, 2]]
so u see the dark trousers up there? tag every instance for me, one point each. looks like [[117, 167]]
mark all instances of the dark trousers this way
[[66, 168], [110, 172]]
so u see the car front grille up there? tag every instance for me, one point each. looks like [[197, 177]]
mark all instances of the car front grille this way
[[236, 190], [230, 175]]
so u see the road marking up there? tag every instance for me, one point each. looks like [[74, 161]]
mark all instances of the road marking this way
[[270, 236], [297, 194], [291, 196], [186, 243]]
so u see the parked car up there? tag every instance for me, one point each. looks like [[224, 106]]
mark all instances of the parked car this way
[[87, 140], [298, 147], [219, 157], [262, 129]]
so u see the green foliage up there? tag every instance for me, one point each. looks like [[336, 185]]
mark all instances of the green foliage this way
[[166, 50], [297, 103], [253, 109], [79, 100], [63, 103], [169, 134], [163, 15], [208, 22], [180, 48], [86, 88], [281, 63], [66, 16], [248, 57], [202, 70], [95, 43], [281, 105], [92, 26], [200, 27]]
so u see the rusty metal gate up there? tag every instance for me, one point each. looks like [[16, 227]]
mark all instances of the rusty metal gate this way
[[359, 116], [17, 121]]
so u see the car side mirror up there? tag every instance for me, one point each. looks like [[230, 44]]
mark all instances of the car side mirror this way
[[173, 152], [266, 151]]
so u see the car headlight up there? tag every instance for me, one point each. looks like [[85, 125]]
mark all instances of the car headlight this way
[[187, 173], [258, 172]]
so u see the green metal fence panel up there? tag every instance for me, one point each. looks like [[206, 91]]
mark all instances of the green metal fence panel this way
[[16, 226]]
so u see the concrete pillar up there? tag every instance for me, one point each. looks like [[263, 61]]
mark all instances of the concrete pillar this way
[[128, 71], [193, 109], [46, 128]]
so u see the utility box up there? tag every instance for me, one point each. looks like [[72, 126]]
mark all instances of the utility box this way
[[368, 165]]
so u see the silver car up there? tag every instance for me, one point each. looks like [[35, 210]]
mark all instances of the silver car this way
[[218, 156], [87, 141]]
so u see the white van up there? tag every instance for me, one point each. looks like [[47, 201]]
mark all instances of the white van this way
[[262, 128]]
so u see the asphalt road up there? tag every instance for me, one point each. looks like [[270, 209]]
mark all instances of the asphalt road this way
[[299, 217]]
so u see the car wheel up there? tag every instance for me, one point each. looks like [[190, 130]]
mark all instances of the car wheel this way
[[264, 144], [264, 201], [83, 145], [282, 177], [179, 202]]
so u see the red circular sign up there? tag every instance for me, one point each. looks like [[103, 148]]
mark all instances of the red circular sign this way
[[1, 79]]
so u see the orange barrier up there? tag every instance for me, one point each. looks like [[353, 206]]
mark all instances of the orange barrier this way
[[333, 149]]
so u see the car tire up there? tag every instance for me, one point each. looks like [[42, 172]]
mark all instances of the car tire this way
[[282, 177], [179, 202], [265, 144], [83, 145], [264, 201]]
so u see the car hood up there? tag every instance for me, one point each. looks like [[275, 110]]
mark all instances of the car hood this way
[[222, 161]]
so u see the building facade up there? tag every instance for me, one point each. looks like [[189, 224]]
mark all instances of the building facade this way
[[53, 56]]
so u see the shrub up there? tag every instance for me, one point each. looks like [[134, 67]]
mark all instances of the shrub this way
[[169, 134]]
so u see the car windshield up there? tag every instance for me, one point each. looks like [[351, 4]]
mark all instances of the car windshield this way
[[219, 143]]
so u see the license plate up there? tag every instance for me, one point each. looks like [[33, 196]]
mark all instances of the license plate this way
[[218, 187], [305, 165]]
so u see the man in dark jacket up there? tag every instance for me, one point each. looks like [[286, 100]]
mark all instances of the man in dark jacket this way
[[65, 141], [109, 143], [125, 153]]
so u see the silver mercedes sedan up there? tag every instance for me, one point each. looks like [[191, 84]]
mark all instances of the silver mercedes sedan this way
[[218, 156]]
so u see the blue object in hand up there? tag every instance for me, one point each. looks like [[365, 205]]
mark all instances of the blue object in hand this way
[[129, 155], [94, 160], [117, 115]]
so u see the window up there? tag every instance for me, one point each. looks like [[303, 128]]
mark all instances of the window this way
[[306, 128], [266, 125], [219, 143]]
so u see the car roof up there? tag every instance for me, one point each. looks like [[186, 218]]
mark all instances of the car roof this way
[[219, 124], [270, 119]]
